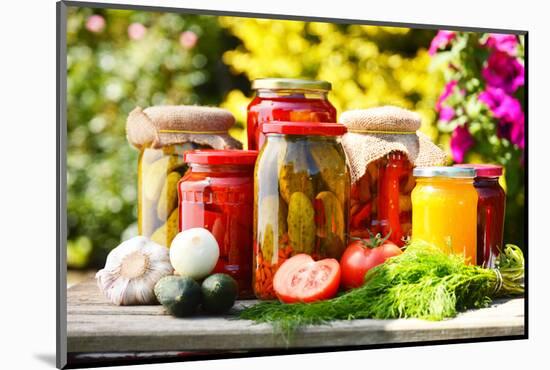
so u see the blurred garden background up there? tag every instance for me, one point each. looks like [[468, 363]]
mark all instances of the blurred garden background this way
[[468, 88]]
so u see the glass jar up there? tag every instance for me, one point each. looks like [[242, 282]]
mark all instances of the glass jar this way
[[159, 171], [162, 134], [216, 193], [444, 213], [287, 99], [381, 199], [490, 212], [301, 197]]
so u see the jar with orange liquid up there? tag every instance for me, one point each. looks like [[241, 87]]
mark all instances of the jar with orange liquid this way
[[444, 209]]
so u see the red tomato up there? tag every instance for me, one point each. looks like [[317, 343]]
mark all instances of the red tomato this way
[[358, 259], [301, 279]]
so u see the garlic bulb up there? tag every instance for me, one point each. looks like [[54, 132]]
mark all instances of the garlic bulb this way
[[132, 270]]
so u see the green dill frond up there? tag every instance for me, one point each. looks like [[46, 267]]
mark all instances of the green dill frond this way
[[423, 283]]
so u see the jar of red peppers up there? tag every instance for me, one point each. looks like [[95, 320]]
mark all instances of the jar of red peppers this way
[[162, 134], [216, 193], [301, 197], [383, 146], [490, 212], [287, 99], [381, 200]]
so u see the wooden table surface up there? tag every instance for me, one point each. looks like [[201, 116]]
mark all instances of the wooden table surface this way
[[94, 325]]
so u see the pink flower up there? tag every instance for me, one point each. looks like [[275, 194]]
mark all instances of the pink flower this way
[[188, 39], [136, 31], [441, 40], [447, 91], [461, 142], [517, 133], [504, 71], [95, 23], [502, 105], [502, 42], [446, 114], [508, 111]]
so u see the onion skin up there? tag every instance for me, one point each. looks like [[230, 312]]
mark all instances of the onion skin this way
[[194, 253]]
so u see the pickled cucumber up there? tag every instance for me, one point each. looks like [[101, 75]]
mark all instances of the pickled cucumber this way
[[267, 243], [330, 224], [331, 165], [294, 172], [147, 215], [330, 215], [164, 234], [271, 221], [154, 175], [168, 199], [301, 223]]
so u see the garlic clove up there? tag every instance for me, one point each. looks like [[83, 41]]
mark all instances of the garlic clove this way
[[131, 271]]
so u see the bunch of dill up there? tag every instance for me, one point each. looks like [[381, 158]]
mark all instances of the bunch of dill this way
[[424, 282]]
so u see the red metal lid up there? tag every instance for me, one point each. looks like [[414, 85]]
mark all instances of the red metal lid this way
[[227, 156], [483, 170], [304, 128]]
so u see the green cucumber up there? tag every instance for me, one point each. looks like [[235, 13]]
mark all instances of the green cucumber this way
[[219, 292], [180, 295]]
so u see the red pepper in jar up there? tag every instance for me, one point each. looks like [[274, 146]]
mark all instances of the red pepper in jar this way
[[380, 199], [388, 201], [217, 193], [287, 99]]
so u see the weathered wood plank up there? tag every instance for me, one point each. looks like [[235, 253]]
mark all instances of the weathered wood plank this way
[[96, 326]]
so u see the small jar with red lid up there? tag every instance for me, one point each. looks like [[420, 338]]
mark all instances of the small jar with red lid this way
[[287, 99], [490, 212], [301, 197], [217, 193]]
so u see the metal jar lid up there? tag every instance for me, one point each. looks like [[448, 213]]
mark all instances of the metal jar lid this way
[[290, 84], [445, 172]]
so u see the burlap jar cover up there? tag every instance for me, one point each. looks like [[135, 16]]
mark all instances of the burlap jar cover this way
[[375, 132], [159, 126]]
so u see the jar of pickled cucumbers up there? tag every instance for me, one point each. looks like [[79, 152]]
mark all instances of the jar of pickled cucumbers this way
[[383, 146], [163, 134], [444, 213], [301, 197], [287, 99]]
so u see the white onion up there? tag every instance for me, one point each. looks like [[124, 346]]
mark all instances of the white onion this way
[[194, 253]]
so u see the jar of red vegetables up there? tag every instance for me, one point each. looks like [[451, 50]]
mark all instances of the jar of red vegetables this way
[[216, 193], [490, 212], [301, 197], [162, 134], [383, 146], [287, 99]]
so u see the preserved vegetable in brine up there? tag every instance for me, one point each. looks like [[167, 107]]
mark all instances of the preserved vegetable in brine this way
[[216, 193], [381, 199], [286, 99], [301, 198]]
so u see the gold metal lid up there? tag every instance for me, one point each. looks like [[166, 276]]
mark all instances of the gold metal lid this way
[[290, 83]]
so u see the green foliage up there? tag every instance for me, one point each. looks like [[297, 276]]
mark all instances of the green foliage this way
[[108, 75]]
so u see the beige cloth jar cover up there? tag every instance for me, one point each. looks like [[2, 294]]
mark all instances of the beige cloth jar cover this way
[[375, 132], [159, 126]]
